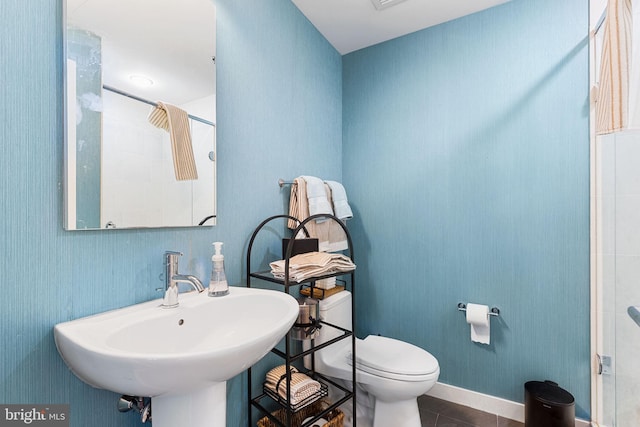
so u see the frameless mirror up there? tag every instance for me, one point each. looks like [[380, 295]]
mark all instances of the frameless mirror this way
[[123, 59]]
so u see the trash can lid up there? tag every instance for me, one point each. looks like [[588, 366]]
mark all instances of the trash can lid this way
[[549, 392]]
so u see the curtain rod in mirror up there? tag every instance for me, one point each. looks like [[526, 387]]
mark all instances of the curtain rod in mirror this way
[[137, 98]]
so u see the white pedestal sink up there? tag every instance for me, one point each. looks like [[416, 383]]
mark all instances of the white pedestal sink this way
[[180, 357]]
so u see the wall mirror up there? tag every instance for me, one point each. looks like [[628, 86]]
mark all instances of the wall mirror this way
[[123, 58]]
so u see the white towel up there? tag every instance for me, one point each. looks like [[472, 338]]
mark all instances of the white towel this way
[[326, 284], [341, 206], [317, 197]]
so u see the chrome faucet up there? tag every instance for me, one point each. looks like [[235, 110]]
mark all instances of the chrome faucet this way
[[172, 278]]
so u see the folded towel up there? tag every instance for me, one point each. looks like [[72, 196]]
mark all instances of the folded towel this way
[[328, 283], [277, 373], [317, 197], [301, 386], [176, 121], [341, 206], [312, 264]]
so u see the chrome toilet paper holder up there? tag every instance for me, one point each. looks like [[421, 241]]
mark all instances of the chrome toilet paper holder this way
[[494, 311]]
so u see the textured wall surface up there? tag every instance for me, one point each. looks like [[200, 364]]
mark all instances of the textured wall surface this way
[[466, 154], [279, 115]]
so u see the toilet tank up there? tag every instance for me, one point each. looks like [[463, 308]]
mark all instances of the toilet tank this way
[[336, 310]]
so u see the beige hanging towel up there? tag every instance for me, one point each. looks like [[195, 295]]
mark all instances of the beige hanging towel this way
[[176, 121], [331, 237], [612, 103]]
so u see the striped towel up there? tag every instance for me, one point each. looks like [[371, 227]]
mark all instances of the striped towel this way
[[302, 386], [176, 121], [612, 102]]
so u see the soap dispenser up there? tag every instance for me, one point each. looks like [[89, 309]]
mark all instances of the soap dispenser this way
[[218, 284]]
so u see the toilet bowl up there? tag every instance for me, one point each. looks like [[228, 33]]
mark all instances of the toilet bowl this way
[[390, 374]]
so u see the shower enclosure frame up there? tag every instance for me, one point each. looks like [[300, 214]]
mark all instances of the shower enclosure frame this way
[[615, 252]]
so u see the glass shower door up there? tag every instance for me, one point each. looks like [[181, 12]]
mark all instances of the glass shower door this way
[[619, 260]]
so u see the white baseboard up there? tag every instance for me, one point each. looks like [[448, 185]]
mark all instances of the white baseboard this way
[[484, 402]]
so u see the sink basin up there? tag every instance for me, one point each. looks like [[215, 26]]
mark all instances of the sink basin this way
[[179, 354]]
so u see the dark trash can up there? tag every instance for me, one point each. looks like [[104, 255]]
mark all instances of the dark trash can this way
[[547, 405]]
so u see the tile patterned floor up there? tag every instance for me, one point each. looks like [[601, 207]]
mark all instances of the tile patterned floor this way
[[440, 413]]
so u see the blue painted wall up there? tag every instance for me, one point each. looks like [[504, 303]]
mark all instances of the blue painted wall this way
[[466, 156], [464, 148], [279, 115]]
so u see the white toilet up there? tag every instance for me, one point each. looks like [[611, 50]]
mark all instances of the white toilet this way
[[390, 374]]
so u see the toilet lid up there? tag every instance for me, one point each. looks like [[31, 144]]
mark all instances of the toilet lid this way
[[392, 358]]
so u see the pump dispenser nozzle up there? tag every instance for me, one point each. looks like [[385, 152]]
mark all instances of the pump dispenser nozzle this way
[[218, 284], [218, 248]]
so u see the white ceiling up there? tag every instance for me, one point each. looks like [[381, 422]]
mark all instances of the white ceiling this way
[[173, 45], [350, 25]]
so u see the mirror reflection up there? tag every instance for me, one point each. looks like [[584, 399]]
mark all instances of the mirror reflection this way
[[140, 147]]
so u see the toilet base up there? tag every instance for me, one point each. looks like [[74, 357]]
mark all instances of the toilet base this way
[[397, 414], [371, 412]]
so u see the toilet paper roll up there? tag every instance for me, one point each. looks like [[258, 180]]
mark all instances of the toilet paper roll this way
[[478, 318]]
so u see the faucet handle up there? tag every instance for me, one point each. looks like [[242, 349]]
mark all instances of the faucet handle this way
[[172, 254]]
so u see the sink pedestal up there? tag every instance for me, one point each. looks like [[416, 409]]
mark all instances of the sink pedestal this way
[[200, 408]]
